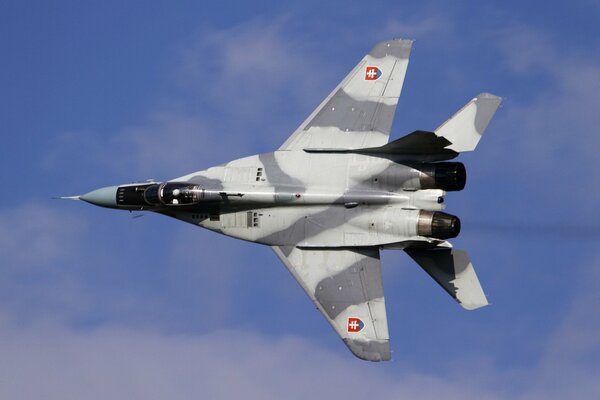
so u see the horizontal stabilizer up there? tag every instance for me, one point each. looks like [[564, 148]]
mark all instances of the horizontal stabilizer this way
[[419, 145], [453, 270], [460, 133]]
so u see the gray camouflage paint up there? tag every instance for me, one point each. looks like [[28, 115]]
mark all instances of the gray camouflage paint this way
[[351, 286]]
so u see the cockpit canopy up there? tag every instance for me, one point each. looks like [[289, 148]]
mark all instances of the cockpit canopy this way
[[172, 193], [165, 194]]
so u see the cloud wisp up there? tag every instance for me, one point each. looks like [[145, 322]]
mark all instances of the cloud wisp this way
[[117, 362], [225, 83]]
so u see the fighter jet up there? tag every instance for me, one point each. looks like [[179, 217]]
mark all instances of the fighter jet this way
[[336, 193]]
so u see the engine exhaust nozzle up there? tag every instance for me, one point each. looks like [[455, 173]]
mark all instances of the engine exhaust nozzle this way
[[438, 225]]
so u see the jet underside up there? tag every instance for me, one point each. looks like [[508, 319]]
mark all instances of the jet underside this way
[[336, 193], [285, 198]]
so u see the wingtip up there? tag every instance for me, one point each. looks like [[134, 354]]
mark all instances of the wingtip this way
[[399, 48], [370, 350], [489, 96], [470, 306], [399, 39]]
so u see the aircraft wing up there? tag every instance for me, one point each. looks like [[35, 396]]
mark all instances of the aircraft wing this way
[[345, 285], [453, 271], [360, 110]]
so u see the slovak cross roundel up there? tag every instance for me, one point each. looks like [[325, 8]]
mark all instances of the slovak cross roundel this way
[[372, 74], [355, 325]]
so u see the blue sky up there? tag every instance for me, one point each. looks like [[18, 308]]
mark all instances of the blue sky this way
[[95, 304]]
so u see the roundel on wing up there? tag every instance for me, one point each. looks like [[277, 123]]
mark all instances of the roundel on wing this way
[[355, 325], [372, 73]]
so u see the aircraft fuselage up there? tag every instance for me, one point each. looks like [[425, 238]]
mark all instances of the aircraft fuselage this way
[[306, 199]]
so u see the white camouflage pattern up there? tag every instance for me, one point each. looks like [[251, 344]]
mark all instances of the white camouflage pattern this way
[[335, 194]]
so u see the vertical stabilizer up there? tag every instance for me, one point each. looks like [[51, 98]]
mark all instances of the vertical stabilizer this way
[[465, 128]]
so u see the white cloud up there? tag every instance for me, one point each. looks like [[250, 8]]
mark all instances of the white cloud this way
[[169, 144], [50, 362], [572, 355], [34, 237], [254, 75], [560, 121], [545, 133], [207, 268], [47, 360], [39, 246], [571, 359], [236, 88], [420, 26]]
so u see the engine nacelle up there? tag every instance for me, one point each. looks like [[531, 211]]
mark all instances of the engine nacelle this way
[[438, 225], [448, 176]]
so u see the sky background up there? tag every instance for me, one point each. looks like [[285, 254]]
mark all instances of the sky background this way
[[95, 304]]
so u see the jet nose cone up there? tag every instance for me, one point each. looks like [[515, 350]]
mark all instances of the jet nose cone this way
[[103, 197]]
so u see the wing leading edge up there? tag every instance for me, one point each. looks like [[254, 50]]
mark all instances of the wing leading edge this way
[[360, 110], [346, 286]]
